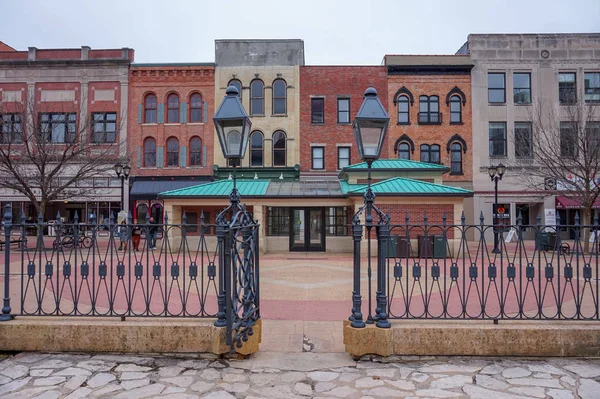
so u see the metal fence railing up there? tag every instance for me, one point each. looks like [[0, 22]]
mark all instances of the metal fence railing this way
[[447, 271], [125, 270]]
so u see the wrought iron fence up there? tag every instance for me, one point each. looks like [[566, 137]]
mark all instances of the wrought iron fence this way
[[123, 270], [448, 271]]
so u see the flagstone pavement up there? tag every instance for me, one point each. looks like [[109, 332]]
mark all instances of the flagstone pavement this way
[[290, 376]]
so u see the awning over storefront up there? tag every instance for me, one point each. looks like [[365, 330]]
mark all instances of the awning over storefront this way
[[572, 203], [149, 189]]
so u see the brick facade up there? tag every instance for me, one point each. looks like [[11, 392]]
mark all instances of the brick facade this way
[[444, 84], [331, 83], [162, 81], [416, 213]]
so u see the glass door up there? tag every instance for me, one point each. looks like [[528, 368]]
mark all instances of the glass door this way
[[308, 232]]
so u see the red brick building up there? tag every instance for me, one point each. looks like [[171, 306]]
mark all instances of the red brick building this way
[[330, 97], [429, 101], [69, 93], [171, 130]]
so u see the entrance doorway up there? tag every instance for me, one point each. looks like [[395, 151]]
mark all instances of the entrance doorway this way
[[308, 231]]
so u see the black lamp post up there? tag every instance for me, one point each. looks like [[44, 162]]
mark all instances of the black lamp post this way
[[496, 173], [122, 172], [370, 127], [233, 129]]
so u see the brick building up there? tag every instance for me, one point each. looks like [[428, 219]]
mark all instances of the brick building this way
[[79, 92], [330, 97], [429, 101], [171, 130]]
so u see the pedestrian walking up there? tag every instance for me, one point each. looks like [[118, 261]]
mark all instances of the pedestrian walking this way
[[152, 230], [136, 235], [123, 235]]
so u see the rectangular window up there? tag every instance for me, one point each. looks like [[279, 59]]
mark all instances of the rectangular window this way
[[343, 110], [191, 222], [278, 221], [592, 87], [496, 88], [318, 157], [11, 129], [104, 127], [567, 88], [497, 132], [522, 88], [592, 134], [336, 221], [58, 127], [343, 157], [317, 110], [523, 140], [568, 139]]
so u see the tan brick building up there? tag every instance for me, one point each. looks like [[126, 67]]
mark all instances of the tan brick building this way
[[171, 130], [429, 101]]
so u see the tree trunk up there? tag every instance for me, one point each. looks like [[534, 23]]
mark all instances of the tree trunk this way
[[585, 231]]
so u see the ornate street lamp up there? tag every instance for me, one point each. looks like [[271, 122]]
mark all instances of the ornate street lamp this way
[[496, 173], [122, 172], [233, 129], [370, 127]]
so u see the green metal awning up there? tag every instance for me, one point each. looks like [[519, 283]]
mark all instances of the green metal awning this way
[[397, 164], [401, 186], [221, 188]]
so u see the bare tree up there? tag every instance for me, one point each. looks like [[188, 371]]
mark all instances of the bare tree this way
[[47, 152], [563, 147]]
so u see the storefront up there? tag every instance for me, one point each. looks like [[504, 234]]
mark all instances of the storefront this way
[[316, 215]]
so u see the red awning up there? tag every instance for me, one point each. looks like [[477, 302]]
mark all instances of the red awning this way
[[572, 203]]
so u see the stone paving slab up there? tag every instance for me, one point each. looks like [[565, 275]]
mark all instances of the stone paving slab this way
[[294, 375]]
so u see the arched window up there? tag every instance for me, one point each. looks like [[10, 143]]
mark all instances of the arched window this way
[[429, 110], [173, 108], [150, 109], [456, 159], [404, 151], [256, 149], [455, 110], [234, 140], [257, 97], [195, 151], [172, 152], [150, 153], [279, 97], [237, 84], [279, 149], [195, 108], [403, 111]]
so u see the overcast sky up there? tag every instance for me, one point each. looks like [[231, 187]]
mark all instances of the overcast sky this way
[[351, 32]]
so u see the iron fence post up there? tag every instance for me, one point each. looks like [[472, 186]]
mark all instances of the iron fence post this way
[[6, 309], [228, 290], [356, 318], [221, 316], [383, 237]]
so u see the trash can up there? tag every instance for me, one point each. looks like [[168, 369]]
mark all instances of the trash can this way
[[392, 251], [542, 241], [425, 247], [439, 247], [404, 247], [51, 228]]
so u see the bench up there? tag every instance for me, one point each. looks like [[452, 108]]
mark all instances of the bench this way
[[18, 241]]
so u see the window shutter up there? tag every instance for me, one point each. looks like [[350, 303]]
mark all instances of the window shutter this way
[[160, 161], [140, 112], [205, 107], [204, 156], [182, 155], [139, 158], [161, 113], [183, 113]]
